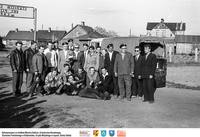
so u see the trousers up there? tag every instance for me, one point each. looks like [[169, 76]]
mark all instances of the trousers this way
[[124, 82]]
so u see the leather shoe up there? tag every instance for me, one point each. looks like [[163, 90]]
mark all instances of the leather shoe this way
[[151, 102]]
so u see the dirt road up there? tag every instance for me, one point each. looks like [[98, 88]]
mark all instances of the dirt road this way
[[172, 108]]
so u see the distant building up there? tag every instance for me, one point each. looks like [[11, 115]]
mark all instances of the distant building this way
[[165, 29], [50, 35], [43, 36], [187, 43], [24, 36], [82, 34]]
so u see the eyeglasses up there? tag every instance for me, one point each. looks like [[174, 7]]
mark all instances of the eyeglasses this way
[[136, 50]]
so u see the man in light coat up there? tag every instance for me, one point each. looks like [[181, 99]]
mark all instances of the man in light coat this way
[[63, 57], [124, 68]]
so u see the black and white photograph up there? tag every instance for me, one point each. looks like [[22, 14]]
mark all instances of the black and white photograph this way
[[100, 64]]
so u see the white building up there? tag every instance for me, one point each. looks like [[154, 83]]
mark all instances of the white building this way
[[165, 29]]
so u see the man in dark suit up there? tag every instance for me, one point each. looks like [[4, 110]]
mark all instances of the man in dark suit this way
[[148, 74], [104, 84], [137, 79], [109, 62], [84, 54], [28, 55], [17, 66], [124, 68]]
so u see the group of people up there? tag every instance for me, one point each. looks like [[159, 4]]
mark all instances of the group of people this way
[[93, 72]]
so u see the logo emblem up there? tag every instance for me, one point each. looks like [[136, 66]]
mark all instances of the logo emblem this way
[[95, 133], [84, 133], [121, 133], [103, 133], [111, 133]]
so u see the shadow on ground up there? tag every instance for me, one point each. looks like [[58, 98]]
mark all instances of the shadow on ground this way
[[60, 117], [181, 86], [18, 112], [4, 61], [4, 78]]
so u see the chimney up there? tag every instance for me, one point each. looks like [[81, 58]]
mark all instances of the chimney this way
[[49, 29], [176, 26], [72, 25], [16, 30], [181, 25], [83, 23], [162, 20]]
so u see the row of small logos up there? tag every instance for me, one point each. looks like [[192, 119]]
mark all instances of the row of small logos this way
[[103, 133]]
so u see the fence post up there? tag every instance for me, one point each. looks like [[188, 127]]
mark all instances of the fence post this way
[[170, 54], [196, 55]]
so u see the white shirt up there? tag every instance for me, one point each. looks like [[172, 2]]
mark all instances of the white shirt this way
[[76, 53], [104, 76], [146, 56], [137, 56], [53, 57], [65, 53], [123, 55], [110, 54], [46, 51], [85, 54]]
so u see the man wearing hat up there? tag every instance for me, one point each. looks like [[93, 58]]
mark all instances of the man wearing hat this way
[[124, 68], [17, 65], [148, 74]]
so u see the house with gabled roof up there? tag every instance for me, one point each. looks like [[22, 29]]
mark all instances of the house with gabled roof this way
[[50, 35], [82, 34], [42, 36], [18, 35], [187, 43], [165, 29]]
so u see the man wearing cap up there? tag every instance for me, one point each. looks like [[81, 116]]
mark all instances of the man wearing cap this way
[[124, 68], [109, 62], [17, 66], [148, 74]]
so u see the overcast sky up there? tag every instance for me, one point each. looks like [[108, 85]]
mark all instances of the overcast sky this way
[[117, 15]]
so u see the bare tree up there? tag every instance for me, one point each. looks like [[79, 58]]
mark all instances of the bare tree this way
[[108, 33]]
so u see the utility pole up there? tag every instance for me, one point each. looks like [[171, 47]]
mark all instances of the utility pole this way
[[35, 24]]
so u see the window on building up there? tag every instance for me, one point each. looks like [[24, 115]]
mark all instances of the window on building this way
[[175, 49], [157, 33], [163, 33]]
